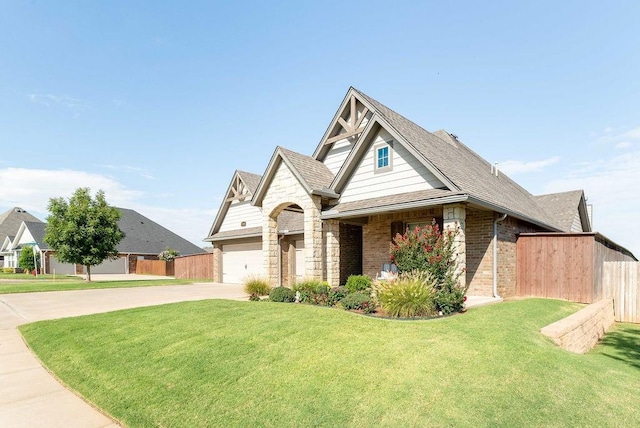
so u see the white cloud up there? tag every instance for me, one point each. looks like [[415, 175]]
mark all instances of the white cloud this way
[[31, 189], [623, 145], [75, 104], [619, 140], [612, 186], [512, 167]]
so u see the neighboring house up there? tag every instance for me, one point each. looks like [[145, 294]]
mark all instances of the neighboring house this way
[[9, 223], [374, 174], [144, 240]]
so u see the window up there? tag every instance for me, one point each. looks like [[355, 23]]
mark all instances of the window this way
[[383, 157]]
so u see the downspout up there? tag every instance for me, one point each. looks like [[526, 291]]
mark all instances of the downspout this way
[[495, 254]]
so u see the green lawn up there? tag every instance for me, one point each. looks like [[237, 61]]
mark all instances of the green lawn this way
[[224, 363], [20, 283]]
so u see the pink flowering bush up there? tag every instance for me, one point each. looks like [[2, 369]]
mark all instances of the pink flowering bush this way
[[429, 250]]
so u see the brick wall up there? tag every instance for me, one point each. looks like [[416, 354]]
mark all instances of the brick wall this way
[[350, 251], [479, 252], [508, 231], [376, 236]]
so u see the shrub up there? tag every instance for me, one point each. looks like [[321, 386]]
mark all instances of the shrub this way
[[336, 294], [282, 294], [428, 250], [257, 286], [8, 270], [360, 300], [410, 296], [358, 283], [27, 260], [313, 291]]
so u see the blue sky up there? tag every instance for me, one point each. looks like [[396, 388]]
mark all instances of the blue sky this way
[[157, 103]]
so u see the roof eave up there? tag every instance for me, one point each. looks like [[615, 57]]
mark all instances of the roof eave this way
[[512, 213], [404, 206]]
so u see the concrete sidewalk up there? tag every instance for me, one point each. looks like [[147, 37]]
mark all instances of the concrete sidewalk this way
[[29, 395]]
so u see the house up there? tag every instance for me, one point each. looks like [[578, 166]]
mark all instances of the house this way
[[373, 174], [144, 240], [9, 223]]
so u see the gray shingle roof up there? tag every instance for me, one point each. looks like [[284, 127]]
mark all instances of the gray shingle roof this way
[[388, 201], [144, 236], [561, 206], [465, 168], [317, 175], [11, 220], [291, 221], [250, 180], [37, 230]]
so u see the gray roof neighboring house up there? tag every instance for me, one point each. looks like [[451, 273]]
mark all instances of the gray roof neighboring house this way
[[38, 230], [11, 220], [144, 236]]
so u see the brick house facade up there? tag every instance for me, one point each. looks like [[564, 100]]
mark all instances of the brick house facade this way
[[374, 174]]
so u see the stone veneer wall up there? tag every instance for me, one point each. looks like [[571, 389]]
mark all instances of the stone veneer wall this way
[[581, 331]]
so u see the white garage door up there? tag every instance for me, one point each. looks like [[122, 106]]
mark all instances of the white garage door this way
[[110, 266], [240, 261], [59, 268]]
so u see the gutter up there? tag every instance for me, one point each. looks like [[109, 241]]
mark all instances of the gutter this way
[[495, 254]]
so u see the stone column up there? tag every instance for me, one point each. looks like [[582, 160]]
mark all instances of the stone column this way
[[454, 217], [332, 231], [270, 248], [313, 248], [217, 262]]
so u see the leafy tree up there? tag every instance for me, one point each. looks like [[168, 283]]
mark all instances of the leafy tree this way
[[83, 230], [26, 260]]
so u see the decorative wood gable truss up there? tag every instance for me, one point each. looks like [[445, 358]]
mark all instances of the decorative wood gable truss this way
[[364, 142], [238, 191], [348, 122]]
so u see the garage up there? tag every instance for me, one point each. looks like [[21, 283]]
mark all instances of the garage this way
[[118, 265], [240, 261], [59, 268]]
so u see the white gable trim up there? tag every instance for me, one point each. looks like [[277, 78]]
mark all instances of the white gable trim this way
[[371, 130], [322, 149], [224, 207]]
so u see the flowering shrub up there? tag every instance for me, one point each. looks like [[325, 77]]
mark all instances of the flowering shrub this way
[[168, 254], [429, 250], [313, 291], [360, 300]]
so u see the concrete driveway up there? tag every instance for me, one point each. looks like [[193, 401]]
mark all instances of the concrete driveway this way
[[29, 395]]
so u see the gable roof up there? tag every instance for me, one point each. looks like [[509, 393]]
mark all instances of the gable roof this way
[[38, 230], [144, 236], [250, 182], [461, 169], [11, 220], [563, 207], [312, 174]]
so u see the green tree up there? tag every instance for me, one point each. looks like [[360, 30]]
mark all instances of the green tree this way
[[83, 230], [27, 260], [168, 254]]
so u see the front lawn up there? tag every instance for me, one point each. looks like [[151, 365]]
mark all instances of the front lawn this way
[[30, 285], [224, 363]]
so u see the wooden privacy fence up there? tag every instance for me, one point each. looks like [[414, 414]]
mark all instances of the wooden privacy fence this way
[[565, 265], [621, 282], [197, 266], [154, 267]]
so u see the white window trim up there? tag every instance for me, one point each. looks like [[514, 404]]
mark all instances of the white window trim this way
[[377, 147]]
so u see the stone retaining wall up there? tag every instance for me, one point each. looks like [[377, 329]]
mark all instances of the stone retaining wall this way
[[581, 331]]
